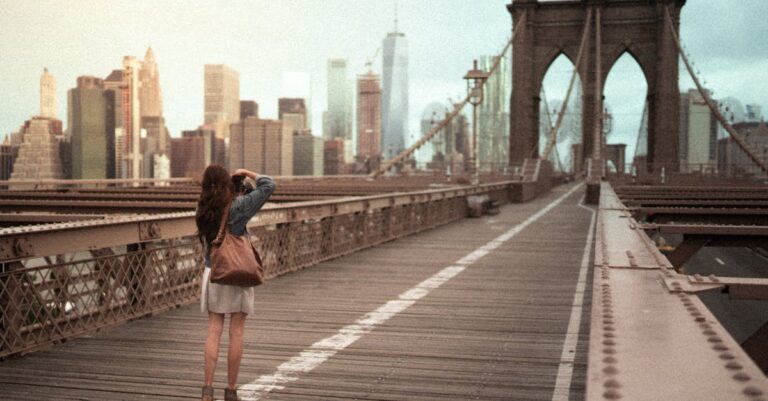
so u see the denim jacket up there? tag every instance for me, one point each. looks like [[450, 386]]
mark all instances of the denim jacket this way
[[243, 208]]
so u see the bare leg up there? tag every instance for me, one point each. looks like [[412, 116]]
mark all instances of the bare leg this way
[[215, 325], [236, 328]]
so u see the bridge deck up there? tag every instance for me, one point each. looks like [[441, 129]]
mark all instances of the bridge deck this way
[[388, 323]]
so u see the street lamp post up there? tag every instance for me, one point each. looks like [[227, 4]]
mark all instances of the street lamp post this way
[[475, 80]]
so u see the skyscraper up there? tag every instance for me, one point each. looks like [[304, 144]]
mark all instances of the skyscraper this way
[[88, 128], [150, 94], [698, 132], [294, 106], [39, 153], [261, 145], [339, 118], [131, 160], [434, 150], [754, 113], [222, 97], [151, 108], [307, 154], [195, 150], [8, 154], [248, 108], [394, 108], [113, 95], [47, 95], [368, 115], [493, 116]]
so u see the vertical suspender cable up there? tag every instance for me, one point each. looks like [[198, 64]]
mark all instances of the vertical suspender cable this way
[[597, 143]]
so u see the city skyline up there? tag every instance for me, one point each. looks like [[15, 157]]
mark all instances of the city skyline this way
[[439, 55]]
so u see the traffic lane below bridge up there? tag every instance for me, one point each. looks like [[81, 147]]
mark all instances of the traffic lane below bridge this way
[[740, 317]]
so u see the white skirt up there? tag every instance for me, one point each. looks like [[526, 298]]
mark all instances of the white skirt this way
[[221, 298]]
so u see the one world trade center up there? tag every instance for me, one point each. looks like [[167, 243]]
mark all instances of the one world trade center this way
[[394, 107]]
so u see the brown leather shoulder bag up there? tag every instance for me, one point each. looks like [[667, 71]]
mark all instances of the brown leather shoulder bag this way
[[234, 260]]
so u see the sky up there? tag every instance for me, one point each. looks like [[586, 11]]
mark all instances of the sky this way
[[265, 39]]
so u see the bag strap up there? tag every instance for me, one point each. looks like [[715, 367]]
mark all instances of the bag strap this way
[[222, 226]]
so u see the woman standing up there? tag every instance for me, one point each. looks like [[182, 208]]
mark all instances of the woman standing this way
[[218, 193]]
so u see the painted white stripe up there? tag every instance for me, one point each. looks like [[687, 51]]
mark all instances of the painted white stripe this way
[[324, 349], [565, 370], [720, 261]]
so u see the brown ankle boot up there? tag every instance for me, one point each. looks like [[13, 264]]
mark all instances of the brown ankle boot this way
[[207, 393], [230, 395]]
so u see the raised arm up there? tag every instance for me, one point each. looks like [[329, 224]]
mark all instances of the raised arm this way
[[252, 202]]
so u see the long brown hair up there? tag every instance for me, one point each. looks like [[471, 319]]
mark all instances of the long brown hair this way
[[217, 193]]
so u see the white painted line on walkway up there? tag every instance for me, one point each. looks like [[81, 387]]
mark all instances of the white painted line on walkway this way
[[719, 261], [565, 370], [322, 350]]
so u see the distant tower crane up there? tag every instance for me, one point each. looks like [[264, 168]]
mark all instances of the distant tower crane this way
[[369, 61]]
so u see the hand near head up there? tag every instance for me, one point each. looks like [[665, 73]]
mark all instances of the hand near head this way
[[244, 172]]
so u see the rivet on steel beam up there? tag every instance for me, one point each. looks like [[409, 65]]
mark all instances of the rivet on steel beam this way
[[609, 328], [610, 360], [726, 356], [720, 347], [733, 365], [609, 342], [612, 394], [698, 277], [705, 326], [742, 377], [715, 339], [609, 335], [700, 318], [610, 370], [752, 391], [612, 383], [709, 332], [714, 278]]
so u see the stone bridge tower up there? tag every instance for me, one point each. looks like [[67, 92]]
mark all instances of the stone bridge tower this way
[[634, 26]]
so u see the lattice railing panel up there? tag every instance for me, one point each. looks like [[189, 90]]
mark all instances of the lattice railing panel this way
[[44, 304]]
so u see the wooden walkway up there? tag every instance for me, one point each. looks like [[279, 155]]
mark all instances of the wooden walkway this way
[[494, 331]]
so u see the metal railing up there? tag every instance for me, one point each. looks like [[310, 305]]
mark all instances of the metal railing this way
[[64, 280]]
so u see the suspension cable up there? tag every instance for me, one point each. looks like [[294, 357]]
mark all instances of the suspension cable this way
[[549, 126], [640, 137], [448, 118], [553, 132], [723, 122]]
